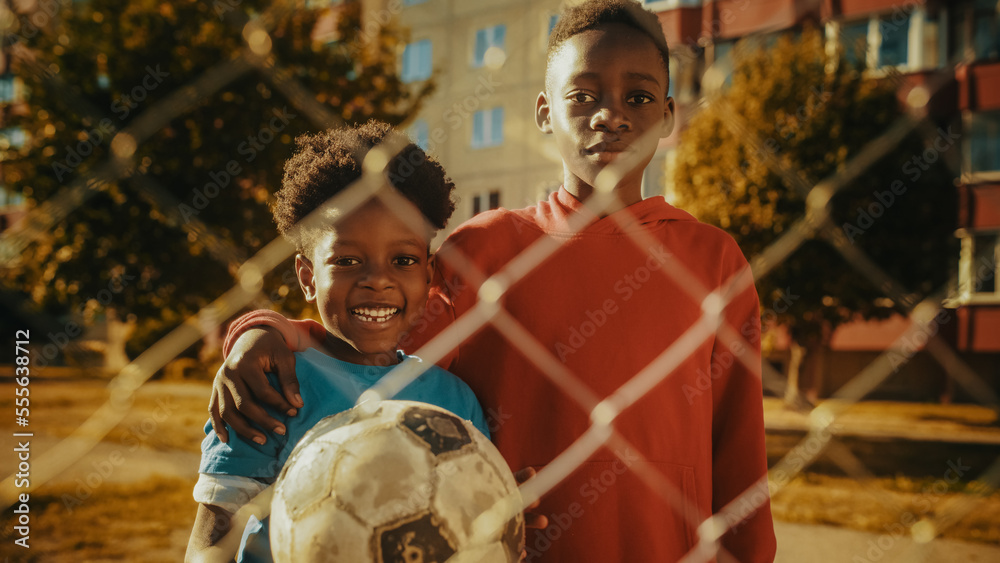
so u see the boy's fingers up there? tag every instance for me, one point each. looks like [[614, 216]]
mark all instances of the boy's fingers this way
[[249, 409], [240, 407], [284, 365], [535, 521], [262, 390], [216, 417], [531, 520], [524, 474], [229, 411], [230, 415], [219, 391]]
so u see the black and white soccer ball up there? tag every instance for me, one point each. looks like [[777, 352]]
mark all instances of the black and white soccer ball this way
[[409, 482]]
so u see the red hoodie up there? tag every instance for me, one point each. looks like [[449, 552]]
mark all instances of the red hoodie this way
[[603, 307]]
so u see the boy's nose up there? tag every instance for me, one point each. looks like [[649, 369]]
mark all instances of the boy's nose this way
[[609, 118], [376, 277]]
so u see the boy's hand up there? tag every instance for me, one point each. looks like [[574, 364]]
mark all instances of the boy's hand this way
[[531, 520], [241, 386]]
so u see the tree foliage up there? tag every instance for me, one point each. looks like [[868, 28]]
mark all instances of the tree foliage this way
[[812, 113], [111, 62]]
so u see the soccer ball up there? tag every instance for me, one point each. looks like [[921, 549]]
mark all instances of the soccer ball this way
[[409, 482]]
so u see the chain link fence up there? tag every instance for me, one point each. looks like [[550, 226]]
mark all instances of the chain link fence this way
[[823, 435]]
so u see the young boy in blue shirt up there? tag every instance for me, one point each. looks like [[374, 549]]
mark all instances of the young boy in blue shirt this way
[[368, 272]]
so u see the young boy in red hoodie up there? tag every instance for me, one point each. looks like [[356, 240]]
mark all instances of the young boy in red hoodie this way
[[636, 288]]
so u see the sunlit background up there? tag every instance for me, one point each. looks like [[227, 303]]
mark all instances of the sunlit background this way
[[141, 143]]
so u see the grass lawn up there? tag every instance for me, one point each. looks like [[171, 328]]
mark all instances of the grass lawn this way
[[148, 521], [149, 518]]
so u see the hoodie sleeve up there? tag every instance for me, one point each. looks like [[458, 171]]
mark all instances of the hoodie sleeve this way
[[739, 483], [299, 335]]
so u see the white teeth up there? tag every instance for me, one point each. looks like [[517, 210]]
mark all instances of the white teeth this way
[[379, 315]]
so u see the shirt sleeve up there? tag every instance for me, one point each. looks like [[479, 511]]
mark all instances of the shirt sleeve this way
[[739, 460], [228, 492], [299, 335], [241, 456], [464, 404]]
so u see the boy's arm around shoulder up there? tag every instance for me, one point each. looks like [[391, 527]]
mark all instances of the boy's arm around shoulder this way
[[298, 335], [739, 460], [257, 342]]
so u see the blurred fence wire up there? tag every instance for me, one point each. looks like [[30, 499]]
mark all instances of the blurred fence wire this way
[[815, 224]]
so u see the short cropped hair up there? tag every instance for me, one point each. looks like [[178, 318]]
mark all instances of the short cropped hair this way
[[327, 162], [593, 13]]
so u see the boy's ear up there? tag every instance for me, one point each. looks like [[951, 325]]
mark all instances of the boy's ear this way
[[307, 279], [543, 114], [431, 262], [668, 118]]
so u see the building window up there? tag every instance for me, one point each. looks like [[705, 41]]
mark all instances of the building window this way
[[978, 266], [417, 61], [413, 2], [420, 133], [480, 201], [911, 38], [894, 40], [486, 38], [552, 22], [986, 29], [854, 39], [984, 268], [487, 128], [984, 141]]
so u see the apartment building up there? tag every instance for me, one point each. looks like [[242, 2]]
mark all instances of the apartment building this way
[[487, 60]]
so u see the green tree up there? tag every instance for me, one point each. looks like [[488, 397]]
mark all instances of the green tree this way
[[793, 107], [168, 237]]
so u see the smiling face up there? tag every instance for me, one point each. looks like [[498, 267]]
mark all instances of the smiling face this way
[[606, 101], [369, 278]]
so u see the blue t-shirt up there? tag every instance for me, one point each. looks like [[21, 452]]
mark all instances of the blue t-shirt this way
[[328, 386]]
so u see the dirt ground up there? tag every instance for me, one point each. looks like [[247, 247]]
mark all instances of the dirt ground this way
[[129, 498]]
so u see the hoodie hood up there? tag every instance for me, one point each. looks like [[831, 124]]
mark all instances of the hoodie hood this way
[[553, 216]]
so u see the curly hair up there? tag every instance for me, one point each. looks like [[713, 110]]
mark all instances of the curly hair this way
[[327, 162], [589, 15]]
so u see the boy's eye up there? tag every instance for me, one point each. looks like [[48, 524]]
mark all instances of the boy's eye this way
[[640, 99], [582, 97], [406, 261], [346, 261]]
